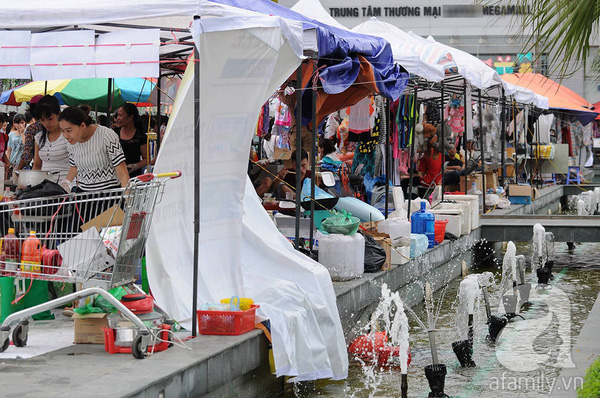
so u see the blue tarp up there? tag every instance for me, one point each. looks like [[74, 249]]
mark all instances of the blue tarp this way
[[338, 49]]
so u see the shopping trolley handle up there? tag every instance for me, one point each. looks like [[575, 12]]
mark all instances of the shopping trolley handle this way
[[150, 176]]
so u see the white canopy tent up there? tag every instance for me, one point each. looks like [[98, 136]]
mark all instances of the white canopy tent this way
[[421, 59]]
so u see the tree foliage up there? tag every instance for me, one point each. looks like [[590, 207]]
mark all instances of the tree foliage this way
[[563, 29]]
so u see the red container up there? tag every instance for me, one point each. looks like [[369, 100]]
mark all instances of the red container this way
[[383, 359], [111, 348], [51, 261], [440, 230], [230, 323], [11, 247], [138, 303], [135, 225]]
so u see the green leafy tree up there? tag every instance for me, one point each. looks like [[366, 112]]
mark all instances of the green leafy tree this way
[[564, 29]]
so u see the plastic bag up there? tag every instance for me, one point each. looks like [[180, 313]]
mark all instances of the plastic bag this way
[[100, 304], [319, 193], [374, 254], [341, 223], [503, 203]]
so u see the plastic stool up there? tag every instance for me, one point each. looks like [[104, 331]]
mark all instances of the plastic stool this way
[[577, 179]]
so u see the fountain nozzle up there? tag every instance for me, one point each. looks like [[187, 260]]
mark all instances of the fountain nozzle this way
[[496, 324], [436, 376], [404, 385]]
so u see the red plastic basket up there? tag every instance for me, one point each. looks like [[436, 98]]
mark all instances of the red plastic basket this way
[[230, 323]]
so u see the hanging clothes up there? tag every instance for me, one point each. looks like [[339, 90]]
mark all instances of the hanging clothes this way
[[364, 154], [380, 156], [359, 116], [566, 137]]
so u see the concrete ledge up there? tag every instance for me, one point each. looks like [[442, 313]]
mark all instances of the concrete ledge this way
[[216, 365], [585, 351]]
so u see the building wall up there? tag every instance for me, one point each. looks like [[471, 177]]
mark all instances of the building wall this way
[[487, 29]]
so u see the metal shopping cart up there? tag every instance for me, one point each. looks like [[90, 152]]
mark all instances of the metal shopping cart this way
[[95, 239]]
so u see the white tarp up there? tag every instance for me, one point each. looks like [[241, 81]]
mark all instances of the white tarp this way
[[242, 62], [525, 96], [413, 55], [470, 67], [76, 54], [314, 9]]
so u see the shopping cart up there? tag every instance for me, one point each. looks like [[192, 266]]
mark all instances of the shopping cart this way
[[95, 239]]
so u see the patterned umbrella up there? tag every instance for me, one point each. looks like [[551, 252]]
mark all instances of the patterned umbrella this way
[[92, 92]]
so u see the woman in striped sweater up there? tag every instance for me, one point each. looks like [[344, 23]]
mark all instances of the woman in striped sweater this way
[[95, 154]]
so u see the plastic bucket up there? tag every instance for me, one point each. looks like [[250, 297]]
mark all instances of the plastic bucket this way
[[7, 295], [440, 230]]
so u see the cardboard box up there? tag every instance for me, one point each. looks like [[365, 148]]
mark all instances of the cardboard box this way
[[384, 241], [491, 181], [282, 154], [519, 190], [88, 328], [104, 218]]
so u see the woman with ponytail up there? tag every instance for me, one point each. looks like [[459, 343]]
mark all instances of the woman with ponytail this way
[[50, 146]]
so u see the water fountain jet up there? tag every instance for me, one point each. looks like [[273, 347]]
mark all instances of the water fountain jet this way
[[436, 372], [467, 293], [509, 281]]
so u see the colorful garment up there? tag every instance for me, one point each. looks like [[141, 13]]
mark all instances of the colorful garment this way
[[359, 116], [29, 147]]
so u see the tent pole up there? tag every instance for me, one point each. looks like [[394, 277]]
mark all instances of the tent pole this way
[[158, 117], [313, 162], [45, 87], [481, 140], [503, 141], [412, 151], [515, 140], [109, 101], [467, 108], [388, 168], [298, 154], [442, 149], [196, 184]]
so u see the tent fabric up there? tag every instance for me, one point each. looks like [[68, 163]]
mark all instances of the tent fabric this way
[[525, 96], [42, 13], [559, 96], [338, 49], [314, 9], [241, 251], [416, 57], [474, 70]]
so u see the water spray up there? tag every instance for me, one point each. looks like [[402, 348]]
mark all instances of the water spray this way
[[523, 287], [436, 372], [467, 293], [544, 273], [509, 281]]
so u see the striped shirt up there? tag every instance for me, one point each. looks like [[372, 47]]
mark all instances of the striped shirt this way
[[96, 160], [54, 155]]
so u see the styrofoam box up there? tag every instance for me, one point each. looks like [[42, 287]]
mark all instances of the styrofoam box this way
[[474, 208], [454, 217], [466, 209], [400, 255], [342, 255]]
